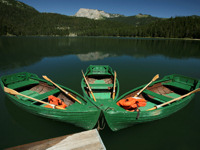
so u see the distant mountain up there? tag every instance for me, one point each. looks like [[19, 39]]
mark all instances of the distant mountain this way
[[140, 19], [95, 14]]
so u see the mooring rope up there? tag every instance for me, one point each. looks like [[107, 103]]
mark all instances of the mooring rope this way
[[103, 124]]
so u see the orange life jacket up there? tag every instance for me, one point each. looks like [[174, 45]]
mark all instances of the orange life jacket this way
[[132, 103], [55, 101]]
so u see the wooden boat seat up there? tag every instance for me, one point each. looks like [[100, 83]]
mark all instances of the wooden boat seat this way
[[18, 77], [36, 95], [173, 95], [184, 80], [28, 93], [179, 85], [157, 97], [105, 95], [99, 70], [12, 79], [22, 83], [151, 105], [101, 86], [45, 95]]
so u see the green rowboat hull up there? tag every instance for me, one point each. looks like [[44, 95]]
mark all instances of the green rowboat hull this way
[[118, 118], [83, 115]]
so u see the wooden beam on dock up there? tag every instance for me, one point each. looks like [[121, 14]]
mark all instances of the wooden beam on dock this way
[[89, 140]]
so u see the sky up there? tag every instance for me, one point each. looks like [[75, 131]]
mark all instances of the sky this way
[[157, 8]]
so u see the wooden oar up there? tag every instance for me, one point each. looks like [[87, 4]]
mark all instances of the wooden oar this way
[[173, 100], [115, 76], [67, 93], [89, 86], [154, 79], [13, 92]]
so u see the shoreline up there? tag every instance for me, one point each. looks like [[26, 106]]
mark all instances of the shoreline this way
[[102, 36]]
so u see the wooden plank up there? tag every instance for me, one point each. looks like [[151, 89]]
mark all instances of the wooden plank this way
[[161, 97], [44, 144], [85, 140], [80, 141], [179, 85]]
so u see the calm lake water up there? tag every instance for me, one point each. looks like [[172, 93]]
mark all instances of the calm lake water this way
[[136, 61]]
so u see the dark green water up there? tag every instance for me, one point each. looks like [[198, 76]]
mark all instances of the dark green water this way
[[136, 62]]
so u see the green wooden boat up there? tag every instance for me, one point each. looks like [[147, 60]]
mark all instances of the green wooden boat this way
[[101, 80], [83, 115], [157, 93]]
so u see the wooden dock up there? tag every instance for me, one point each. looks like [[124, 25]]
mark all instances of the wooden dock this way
[[87, 140]]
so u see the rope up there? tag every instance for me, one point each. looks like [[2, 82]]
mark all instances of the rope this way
[[109, 108], [138, 114], [102, 124]]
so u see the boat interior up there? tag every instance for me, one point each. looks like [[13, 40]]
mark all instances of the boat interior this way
[[101, 85], [36, 89], [159, 93]]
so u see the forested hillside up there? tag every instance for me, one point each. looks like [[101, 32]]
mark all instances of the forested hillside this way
[[178, 27], [19, 19]]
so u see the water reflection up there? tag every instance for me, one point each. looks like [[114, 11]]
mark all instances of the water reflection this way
[[136, 62], [92, 56], [23, 51]]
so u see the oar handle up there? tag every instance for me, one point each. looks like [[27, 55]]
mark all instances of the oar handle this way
[[113, 96], [74, 98], [93, 96]]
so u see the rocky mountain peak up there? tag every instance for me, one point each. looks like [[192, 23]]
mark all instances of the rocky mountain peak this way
[[140, 15], [94, 14]]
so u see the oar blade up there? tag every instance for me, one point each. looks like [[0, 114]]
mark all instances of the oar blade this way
[[156, 77], [197, 90], [46, 78], [82, 72], [10, 91]]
